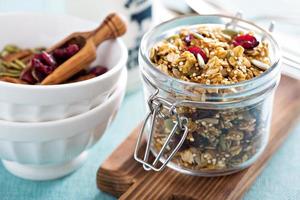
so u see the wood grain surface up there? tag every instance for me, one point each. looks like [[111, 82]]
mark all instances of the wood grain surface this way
[[121, 176]]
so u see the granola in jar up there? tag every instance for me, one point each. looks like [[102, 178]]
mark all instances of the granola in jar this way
[[217, 139], [211, 55]]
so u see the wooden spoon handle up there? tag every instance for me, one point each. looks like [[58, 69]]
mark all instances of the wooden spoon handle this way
[[112, 27]]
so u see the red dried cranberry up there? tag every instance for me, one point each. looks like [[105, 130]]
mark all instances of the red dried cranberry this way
[[35, 62], [38, 75], [44, 63], [67, 52], [247, 41], [72, 49], [45, 69], [59, 53], [39, 70], [98, 70], [38, 65], [47, 59], [27, 77], [188, 39], [197, 50]]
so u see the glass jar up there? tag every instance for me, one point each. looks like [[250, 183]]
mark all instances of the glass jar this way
[[205, 130]]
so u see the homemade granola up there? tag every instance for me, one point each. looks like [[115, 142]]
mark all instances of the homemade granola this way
[[218, 139], [211, 55]]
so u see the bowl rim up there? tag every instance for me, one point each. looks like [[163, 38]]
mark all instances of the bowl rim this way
[[120, 64], [27, 127]]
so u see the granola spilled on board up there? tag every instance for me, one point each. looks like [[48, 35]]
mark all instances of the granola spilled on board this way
[[218, 139]]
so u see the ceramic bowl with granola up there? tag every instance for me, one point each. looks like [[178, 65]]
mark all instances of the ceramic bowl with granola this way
[[209, 82]]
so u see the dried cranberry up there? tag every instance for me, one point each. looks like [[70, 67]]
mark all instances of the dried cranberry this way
[[98, 70], [47, 59], [43, 64], [35, 62], [67, 52], [45, 69], [247, 41], [27, 77], [72, 49], [197, 50], [38, 75], [59, 53], [38, 65], [188, 39]]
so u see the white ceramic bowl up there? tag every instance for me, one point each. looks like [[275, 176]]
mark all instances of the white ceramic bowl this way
[[27, 103], [49, 150]]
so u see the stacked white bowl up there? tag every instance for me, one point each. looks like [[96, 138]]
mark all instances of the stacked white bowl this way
[[46, 131]]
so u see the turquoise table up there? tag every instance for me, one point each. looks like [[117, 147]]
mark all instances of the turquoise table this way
[[279, 181]]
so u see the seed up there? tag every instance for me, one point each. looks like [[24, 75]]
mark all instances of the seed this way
[[198, 36], [11, 48], [260, 64], [230, 32], [200, 61]]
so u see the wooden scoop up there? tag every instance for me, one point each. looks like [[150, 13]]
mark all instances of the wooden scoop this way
[[112, 27]]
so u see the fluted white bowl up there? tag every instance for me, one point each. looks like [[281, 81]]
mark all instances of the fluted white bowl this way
[[27, 103], [48, 150]]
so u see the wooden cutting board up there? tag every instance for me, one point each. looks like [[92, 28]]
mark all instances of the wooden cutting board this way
[[121, 176]]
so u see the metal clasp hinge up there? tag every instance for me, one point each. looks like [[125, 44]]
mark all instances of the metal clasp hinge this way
[[156, 104]]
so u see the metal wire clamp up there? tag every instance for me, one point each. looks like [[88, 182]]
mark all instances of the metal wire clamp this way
[[156, 104]]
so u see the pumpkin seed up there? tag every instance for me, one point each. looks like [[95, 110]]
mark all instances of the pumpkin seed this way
[[20, 64], [10, 74], [11, 69], [11, 48], [230, 32]]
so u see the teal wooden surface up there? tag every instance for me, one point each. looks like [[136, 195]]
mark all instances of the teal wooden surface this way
[[279, 181]]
